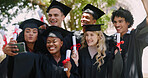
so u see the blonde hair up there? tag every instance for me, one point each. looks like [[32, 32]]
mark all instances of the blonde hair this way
[[101, 47]]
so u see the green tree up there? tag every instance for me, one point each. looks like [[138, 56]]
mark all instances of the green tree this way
[[75, 14]]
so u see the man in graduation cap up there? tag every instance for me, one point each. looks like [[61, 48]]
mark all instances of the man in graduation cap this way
[[90, 15], [56, 13], [134, 41]]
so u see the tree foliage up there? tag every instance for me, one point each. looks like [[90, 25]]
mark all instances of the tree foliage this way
[[75, 15], [7, 5]]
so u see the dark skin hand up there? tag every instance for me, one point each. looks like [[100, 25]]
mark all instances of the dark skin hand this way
[[8, 49], [68, 65]]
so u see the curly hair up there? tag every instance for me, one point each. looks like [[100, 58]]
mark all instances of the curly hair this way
[[101, 47], [124, 14]]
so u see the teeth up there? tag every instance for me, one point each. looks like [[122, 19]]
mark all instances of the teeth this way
[[89, 41], [84, 22], [52, 47], [52, 21]]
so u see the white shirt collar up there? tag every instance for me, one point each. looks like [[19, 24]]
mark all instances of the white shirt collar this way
[[128, 32]]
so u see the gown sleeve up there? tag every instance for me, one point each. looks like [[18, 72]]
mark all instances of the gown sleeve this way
[[74, 70], [27, 65], [141, 34]]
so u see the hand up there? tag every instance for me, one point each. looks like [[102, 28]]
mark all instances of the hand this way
[[42, 27], [68, 65], [8, 48], [75, 56], [116, 51]]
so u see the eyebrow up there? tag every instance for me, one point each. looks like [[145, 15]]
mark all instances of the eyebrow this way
[[35, 29], [27, 29]]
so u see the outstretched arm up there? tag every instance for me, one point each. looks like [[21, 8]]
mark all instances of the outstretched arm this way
[[145, 3], [8, 49]]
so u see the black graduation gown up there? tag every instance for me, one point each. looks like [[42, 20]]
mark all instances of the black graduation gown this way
[[136, 41], [116, 62], [23, 65], [60, 73], [31, 65], [68, 42], [116, 66], [3, 68], [27, 65], [87, 68]]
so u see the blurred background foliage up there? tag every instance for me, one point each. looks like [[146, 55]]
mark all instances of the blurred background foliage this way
[[73, 23]]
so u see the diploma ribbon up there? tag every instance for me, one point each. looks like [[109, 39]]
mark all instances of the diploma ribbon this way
[[4, 38], [77, 45], [15, 31], [65, 61], [42, 19], [118, 45]]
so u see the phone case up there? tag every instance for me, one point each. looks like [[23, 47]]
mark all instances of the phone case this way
[[21, 47]]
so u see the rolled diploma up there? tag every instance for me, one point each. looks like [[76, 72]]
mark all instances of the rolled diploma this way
[[4, 36], [118, 37], [74, 43], [68, 53], [15, 32]]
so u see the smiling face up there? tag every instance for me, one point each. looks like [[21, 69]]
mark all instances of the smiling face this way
[[55, 17], [121, 25], [30, 35], [87, 19], [54, 45], [91, 38]]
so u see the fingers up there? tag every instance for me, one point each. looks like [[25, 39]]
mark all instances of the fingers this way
[[68, 65], [116, 51], [9, 49], [12, 41], [75, 54], [11, 53]]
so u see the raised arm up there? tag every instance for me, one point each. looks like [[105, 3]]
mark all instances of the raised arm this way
[[145, 3], [8, 49]]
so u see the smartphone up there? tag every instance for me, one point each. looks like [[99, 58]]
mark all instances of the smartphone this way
[[20, 46]]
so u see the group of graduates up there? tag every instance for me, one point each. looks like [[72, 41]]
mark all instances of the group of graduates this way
[[97, 55]]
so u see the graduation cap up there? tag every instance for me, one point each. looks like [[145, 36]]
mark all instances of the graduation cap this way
[[54, 31], [63, 8], [31, 23], [93, 27], [96, 12]]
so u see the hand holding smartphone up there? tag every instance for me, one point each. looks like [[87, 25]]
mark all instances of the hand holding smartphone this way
[[20, 46]]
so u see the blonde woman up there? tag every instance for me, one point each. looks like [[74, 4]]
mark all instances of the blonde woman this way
[[93, 57]]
